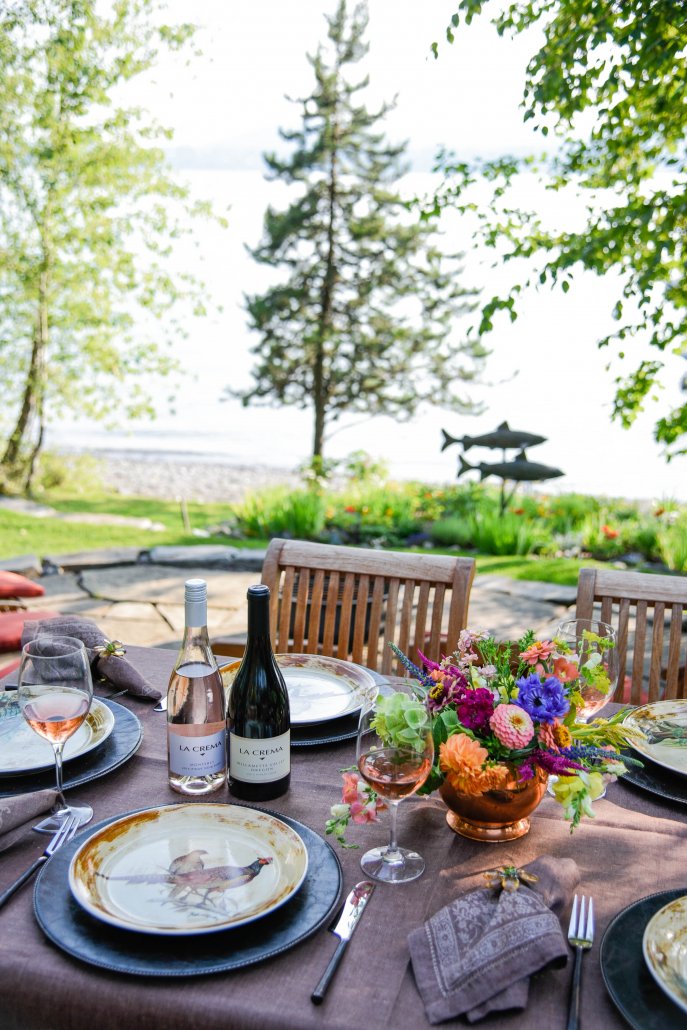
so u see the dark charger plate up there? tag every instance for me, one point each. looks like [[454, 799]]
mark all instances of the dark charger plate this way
[[656, 780], [123, 742], [68, 926], [330, 732], [628, 980]]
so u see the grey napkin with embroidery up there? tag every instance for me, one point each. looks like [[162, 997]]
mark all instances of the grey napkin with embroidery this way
[[18, 812], [476, 955], [118, 671]]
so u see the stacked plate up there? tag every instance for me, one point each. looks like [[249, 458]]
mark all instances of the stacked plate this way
[[109, 735], [646, 944], [325, 696], [136, 884], [664, 726]]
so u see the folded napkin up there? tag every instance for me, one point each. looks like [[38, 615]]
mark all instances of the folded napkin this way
[[18, 812], [115, 669], [475, 956]]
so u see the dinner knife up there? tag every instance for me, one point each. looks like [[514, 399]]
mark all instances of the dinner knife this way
[[350, 917]]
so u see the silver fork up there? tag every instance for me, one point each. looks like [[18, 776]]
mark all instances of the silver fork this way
[[581, 937], [65, 833]]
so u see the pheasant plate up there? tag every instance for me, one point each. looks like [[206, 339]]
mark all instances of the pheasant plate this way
[[188, 869]]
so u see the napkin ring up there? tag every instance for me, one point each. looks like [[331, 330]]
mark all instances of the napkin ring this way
[[110, 649], [509, 878]]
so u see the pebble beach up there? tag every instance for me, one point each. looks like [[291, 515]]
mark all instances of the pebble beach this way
[[171, 478]]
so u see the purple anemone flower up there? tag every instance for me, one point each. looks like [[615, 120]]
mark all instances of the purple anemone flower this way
[[544, 701]]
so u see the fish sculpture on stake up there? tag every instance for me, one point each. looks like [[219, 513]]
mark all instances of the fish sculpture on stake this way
[[516, 470]]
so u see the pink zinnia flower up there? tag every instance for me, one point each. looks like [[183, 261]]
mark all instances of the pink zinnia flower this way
[[539, 651], [512, 725]]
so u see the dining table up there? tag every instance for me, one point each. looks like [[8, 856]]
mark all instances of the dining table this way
[[635, 845]]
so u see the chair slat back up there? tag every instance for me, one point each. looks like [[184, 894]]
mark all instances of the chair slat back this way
[[648, 613], [351, 602]]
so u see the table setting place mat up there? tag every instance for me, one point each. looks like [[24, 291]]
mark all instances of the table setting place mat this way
[[116, 749], [629, 982], [72, 929]]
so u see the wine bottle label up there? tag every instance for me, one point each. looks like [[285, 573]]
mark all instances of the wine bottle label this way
[[194, 754], [259, 760]]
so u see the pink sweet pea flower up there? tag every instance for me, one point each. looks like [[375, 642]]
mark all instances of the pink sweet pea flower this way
[[351, 788], [565, 671]]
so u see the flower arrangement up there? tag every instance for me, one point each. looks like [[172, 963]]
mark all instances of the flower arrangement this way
[[496, 708]]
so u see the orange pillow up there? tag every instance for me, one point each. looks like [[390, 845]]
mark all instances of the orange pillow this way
[[13, 585], [12, 624]]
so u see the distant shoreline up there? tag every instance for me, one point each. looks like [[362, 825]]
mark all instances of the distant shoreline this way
[[177, 476]]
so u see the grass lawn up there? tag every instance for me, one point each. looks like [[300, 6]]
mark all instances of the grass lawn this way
[[24, 534]]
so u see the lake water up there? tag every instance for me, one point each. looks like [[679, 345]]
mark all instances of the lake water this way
[[545, 376]]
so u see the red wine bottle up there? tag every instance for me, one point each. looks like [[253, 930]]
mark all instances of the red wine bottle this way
[[196, 709], [258, 716]]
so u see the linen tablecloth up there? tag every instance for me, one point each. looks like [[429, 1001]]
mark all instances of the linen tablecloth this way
[[635, 846]]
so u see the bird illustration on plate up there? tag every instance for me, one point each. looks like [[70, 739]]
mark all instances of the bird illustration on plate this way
[[192, 885]]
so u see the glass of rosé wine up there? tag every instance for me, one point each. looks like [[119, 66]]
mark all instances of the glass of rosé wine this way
[[395, 759], [55, 693]]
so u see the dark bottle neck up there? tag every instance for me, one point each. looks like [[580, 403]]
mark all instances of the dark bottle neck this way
[[258, 616]]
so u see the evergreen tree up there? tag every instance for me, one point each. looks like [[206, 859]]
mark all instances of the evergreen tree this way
[[364, 320], [85, 222]]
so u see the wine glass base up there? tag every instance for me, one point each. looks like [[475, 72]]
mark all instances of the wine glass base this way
[[399, 866], [52, 822]]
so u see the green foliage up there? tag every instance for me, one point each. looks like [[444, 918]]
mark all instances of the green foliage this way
[[88, 213], [493, 533], [608, 81], [672, 544], [452, 532], [298, 514], [364, 320]]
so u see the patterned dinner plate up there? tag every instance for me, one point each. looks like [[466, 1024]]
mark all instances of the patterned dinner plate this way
[[320, 688], [665, 950], [188, 869], [23, 751], [664, 725]]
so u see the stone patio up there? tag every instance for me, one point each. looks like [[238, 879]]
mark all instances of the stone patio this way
[[137, 597]]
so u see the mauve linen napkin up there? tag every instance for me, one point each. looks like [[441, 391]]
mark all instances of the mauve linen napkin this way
[[476, 955], [18, 812], [118, 671]]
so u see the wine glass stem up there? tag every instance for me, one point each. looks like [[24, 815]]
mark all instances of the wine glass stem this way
[[60, 801], [392, 850]]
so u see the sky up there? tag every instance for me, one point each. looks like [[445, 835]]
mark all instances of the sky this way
[[545, 374]]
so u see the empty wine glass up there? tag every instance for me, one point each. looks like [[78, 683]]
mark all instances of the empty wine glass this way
[[55, 693], [395, 770], [593, 648]]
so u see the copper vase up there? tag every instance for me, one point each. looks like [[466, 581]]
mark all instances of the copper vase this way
[[497, 815]]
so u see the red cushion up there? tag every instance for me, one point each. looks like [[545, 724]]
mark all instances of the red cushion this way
[[12, 624], [12, 585], [10, 667]]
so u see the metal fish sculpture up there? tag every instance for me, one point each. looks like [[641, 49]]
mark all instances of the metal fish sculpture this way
[[520, 470], [503, 437]]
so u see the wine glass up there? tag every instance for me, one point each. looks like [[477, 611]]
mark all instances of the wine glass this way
[[395, 770], [55, 693], [592, 642]]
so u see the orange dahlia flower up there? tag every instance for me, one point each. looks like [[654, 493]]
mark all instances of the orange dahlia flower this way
[[462, 759]]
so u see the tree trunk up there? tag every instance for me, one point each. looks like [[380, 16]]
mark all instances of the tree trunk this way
[[32, 399], [319, 386]]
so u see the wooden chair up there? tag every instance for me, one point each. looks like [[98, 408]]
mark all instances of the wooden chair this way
[[350, 602], [615, 597]]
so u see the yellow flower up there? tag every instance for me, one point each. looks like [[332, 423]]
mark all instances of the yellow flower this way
[[562, 736]]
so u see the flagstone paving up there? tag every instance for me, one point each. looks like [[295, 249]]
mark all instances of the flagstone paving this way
[[137, 597]]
